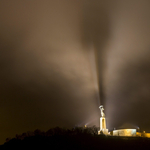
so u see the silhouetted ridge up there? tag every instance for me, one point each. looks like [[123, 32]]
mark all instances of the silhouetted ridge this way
[[74, 139]]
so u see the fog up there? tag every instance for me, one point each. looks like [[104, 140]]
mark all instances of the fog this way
[[61, 59]]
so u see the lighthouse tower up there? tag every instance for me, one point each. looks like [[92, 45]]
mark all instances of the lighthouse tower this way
[[102, 122]]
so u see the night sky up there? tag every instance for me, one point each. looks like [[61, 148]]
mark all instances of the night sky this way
[[61, 59]]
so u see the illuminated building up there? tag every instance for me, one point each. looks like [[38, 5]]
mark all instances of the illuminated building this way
[[124, 132], [119, 132], [129, 132]]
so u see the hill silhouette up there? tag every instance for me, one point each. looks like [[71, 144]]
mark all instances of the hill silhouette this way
[[77, 138]]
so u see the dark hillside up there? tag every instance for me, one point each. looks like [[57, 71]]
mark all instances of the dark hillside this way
[[74, 139]]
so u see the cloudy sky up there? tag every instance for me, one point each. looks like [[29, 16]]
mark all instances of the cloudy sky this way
[[61, 59]]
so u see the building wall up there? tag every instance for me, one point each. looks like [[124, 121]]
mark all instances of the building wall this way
[[138, 134], [145, 135], [124, 132]]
